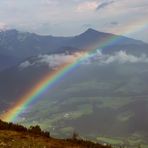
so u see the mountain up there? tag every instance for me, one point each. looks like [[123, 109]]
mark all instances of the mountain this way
[[25, 44], [7, 61], [13, 42], [15, 81], [92, 39]]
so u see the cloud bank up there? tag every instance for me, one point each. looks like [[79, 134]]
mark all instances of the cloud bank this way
[[53, 61], [3, 26], [56, 60], [120, 57]]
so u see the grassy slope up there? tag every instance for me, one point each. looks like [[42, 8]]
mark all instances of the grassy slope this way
[[14, 139]]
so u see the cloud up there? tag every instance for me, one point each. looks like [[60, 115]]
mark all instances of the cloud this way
[[25, 65], [3, 26], [120, 57], [53, 61], [114, 23], [85, 6], [104, 4]]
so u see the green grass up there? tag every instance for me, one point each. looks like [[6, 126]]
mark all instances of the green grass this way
[[110, 140], [115, 102], [125, 116], [132, 141], [144, 145]]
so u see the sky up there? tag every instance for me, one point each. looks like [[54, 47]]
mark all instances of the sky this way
[[72, 17]]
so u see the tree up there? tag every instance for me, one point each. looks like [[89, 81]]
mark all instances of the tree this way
[[35, 129], [75, 136]]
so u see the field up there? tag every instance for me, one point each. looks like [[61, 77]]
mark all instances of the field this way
[[94, 101]]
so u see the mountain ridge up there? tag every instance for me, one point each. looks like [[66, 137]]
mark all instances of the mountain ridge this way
[[25, 44], [89, 30]]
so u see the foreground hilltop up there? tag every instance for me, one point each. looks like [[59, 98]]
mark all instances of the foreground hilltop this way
[[17, 136]]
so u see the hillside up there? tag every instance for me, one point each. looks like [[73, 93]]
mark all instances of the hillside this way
[[11, 136]]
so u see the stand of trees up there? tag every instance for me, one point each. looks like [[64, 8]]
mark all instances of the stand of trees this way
[[36, 130]]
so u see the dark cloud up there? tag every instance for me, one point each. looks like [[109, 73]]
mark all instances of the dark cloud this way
[[114, 23], [104, 4]]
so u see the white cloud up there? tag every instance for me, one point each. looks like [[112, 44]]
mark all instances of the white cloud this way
[[56, 60], [25, 65], [123, 57], [120, 57], [85, 6], [53, 61], [3, 26]]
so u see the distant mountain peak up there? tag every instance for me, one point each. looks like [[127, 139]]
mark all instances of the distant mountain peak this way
[[93, 32], [90, 30]]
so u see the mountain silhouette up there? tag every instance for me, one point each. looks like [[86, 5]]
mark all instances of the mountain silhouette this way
[[24, 44]]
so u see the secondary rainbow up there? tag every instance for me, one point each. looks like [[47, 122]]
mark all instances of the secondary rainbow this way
[[48, 81]]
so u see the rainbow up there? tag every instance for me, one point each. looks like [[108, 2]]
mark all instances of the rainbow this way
[[48, 81]]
